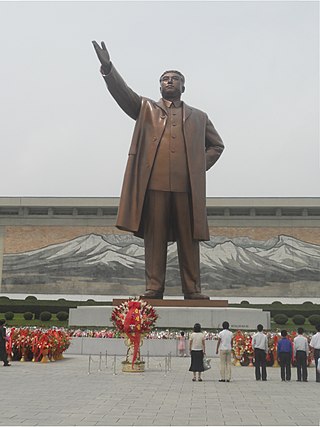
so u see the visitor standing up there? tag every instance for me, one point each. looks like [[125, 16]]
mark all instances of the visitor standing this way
[[3, 340], [182, 345], [315, 344], [301, 352], [197, 351], [260, 346], [225, 340], [284, 356]]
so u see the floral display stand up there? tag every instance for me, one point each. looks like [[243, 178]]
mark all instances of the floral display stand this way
[[37, 345], [138, 365], [238, 347], [273, 349], [134, 319]]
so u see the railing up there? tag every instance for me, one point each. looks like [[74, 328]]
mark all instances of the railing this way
[[100, 363]]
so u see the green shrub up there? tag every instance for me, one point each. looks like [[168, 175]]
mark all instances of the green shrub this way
[[28, 315], [291, 313], [298, 319], [9, 315], [45, 316], [276, 303], [314, 319], [62, 315], [281, 319], [244, 303]]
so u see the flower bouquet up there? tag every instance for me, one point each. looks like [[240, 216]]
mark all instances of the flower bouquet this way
[[134, 319], [38, 345]]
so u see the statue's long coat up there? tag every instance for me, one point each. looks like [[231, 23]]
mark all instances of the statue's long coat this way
[[203, 147]]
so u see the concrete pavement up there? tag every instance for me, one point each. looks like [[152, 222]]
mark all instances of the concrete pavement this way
[[63, 393]]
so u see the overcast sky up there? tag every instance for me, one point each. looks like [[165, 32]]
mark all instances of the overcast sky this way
[[253, 67]]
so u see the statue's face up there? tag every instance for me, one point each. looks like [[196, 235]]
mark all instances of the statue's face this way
[[171, 85]]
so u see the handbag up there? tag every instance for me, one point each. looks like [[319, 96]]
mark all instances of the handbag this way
[[206, 363]]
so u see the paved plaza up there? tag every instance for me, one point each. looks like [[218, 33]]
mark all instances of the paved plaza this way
[[64, 393]]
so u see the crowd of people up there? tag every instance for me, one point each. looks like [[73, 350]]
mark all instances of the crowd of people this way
[[287, 352]]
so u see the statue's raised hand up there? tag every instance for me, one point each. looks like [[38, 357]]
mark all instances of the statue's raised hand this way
[[103, 55]]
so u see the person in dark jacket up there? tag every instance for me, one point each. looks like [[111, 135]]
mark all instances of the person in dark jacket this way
[[3, 340], [284, 356]]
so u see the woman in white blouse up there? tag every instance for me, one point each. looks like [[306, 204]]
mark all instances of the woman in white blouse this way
[[197, 351]]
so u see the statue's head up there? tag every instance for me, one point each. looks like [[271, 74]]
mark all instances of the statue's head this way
[[172, 84]]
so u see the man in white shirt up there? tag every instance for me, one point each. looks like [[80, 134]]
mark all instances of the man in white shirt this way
[[225, 340], [315, 344], [260, 346], [301, 351]]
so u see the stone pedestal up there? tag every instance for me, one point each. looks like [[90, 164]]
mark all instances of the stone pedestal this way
[[179, 314]]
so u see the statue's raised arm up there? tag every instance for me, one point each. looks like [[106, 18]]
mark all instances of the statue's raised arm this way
[[126, 98], [103, 56]]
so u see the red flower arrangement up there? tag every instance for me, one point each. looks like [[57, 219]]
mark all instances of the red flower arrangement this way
[[134, 318], [24, 342], [147, 316]]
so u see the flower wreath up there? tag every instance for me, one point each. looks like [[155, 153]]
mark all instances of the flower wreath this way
[[134, 318], [37, 341]]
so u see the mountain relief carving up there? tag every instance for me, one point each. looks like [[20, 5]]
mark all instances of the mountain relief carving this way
[[118, 260]]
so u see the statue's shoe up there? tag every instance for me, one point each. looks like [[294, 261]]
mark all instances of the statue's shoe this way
[[152, 294], [196, 296]]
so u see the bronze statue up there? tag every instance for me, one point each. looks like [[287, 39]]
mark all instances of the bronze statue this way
[[163, 196]]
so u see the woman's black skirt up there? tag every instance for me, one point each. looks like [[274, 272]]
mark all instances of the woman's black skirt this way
[[196, 361]]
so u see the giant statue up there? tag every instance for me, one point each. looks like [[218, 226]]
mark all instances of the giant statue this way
[[163, 196]]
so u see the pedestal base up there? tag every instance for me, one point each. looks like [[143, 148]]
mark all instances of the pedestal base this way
[[137, 367], [182, 317]]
